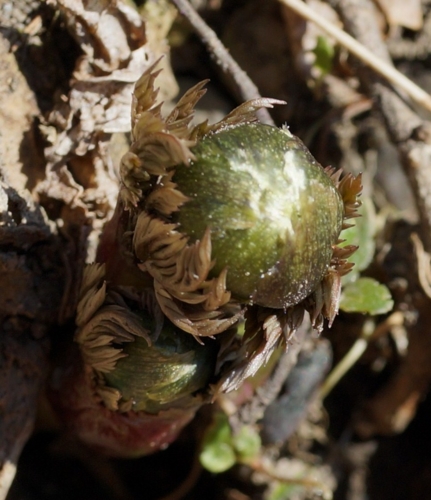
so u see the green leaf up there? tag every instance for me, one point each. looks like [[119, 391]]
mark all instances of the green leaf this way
[[362, 235], [247, 443], [282, 491], [366, 295], [217, 457], [217, 453], [324, 52]]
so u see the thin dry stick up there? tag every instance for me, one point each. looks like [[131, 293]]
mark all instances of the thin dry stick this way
[[350, 359], [246, 87], [369, 332], [381, 67]]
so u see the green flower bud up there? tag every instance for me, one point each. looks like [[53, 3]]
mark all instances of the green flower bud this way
[[273, 212], [157, 375]]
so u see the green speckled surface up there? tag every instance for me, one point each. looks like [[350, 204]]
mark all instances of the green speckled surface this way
[[273, 212], [153, 376]]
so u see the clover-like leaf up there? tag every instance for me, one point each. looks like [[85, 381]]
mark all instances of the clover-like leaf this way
[[282, 491], [247, 443], [366, 295], [218, 454]]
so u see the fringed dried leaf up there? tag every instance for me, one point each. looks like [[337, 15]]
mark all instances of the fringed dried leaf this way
[[314, 305], [334, 174], [152, 236], [209, 327], [245, 113], [339, 262], [217, 295], [180, 117], [144, 94], [111, 397], [102, 359], [323, 303], [92, 275], [178, 267], [331, 294], [158, 144], [265, 330], [350, 188], [342, 253], [154, 155], [345, 268], [161, 151], [192, 266], [125, 405], [99, 338], [181, 278], [173, 311], [197, 321], [147, 124], [295, 317], [165, 198], [92, 293], [133, 176]]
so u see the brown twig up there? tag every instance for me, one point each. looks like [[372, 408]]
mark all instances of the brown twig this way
[[246, 87]]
